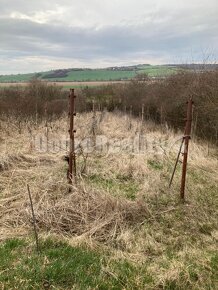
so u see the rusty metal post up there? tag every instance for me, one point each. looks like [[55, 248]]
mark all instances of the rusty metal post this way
[[186, 145], [72, 131]]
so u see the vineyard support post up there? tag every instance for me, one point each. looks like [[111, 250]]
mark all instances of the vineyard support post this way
[[186, 146], [72, 131]]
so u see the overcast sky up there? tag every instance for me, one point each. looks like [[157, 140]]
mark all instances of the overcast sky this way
[[42, 35]]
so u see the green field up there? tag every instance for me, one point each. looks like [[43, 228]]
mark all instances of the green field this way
[[16, 78], [94, 74], [97, 75]]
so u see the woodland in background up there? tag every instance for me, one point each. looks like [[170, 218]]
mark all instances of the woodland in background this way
[[163, 101]]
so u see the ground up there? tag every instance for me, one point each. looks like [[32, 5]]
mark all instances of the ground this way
[[120, 226]]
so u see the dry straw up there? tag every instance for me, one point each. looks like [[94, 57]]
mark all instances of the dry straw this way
[[93, 214], [86, 210]]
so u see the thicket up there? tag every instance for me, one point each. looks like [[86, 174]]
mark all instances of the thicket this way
[[163, 101], [37, 100]]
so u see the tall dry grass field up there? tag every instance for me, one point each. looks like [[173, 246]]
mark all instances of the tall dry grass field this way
[[120, 225]]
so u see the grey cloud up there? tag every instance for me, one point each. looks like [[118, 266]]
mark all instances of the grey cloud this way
[[159, 35], [26, 37]]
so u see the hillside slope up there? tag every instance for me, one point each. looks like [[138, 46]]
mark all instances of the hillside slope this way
[[107, 74]]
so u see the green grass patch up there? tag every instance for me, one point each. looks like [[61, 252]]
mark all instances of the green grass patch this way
[[155, 164], [60, 266], [118, 186]]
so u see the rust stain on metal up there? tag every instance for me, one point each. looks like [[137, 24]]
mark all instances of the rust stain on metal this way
[[72, 131], [186, 146]]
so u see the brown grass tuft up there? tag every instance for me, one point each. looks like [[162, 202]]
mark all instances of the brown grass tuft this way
[[92, 214]]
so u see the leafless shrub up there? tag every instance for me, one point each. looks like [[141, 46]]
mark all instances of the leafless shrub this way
[[94, 214], [164, 100]]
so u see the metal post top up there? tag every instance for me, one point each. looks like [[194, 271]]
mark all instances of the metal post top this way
[[190, 100]]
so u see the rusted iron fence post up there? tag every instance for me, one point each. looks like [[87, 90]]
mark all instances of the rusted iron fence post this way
[[186, 145], [72, 131]]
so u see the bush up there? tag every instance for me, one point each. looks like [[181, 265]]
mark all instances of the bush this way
[[163, 100], [38, 98]]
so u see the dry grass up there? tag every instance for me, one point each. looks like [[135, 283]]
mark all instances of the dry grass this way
[[45, 172], [120, 200], [91, 214]]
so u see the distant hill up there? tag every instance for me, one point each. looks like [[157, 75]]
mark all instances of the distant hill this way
[[115, 73], [85, 74]]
